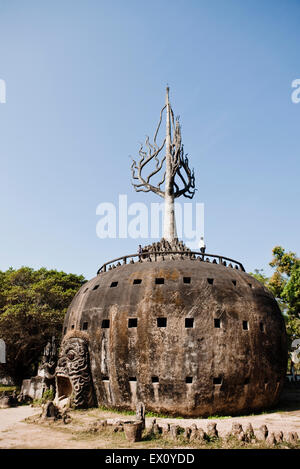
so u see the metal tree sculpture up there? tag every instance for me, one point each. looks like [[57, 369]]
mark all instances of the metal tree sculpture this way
[[177, 164]]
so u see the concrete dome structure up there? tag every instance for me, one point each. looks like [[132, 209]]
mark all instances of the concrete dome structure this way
[[185, 334]]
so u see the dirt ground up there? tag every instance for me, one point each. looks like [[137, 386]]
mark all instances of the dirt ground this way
[[18, 433]]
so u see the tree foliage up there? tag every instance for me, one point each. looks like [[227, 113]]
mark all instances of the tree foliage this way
[[32, 308], [285, 286]]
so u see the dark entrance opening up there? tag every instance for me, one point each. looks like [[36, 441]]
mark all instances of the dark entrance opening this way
[[64, 387]]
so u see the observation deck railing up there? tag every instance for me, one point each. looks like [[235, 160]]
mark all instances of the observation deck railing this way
[[155, 255]]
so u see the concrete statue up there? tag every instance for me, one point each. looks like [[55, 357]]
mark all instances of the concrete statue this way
[[184, 332]]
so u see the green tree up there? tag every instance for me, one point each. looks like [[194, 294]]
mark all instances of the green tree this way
[[286, 279], [285, 286], [32, 308]]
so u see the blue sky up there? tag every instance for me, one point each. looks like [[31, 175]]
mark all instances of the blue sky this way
[[85, 83]]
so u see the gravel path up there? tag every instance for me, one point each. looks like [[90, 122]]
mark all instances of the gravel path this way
[[15, 433], [14, 415]]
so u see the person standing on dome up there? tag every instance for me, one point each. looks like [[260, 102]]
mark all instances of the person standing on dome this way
[[202, 246]]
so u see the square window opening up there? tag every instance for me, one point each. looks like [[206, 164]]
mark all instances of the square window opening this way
[[189, 379], [137, 281], [105, 324], [261, 327], [155, 379], [186, 279], [132, 322], [113, 284], [217, 323], [210, 281], [105, 378], [161, 322], [72, 327], [189, 322], [132, 378], [217, 380], [159, 281]]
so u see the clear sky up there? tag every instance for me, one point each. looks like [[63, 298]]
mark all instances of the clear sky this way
[[85, 82]]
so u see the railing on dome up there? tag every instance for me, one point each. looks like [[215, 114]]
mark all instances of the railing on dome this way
[[153, 256]]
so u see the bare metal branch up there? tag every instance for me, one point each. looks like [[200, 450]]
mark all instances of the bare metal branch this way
[[158, 127], [152, 152], [188, 179], [178, 162]]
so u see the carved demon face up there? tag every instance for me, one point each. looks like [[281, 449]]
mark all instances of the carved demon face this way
[[73, 377]]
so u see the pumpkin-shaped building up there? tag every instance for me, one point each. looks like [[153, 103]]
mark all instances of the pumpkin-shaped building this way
[[185, 333]]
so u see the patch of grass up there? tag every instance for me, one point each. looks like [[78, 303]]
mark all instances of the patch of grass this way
[[37, 402], [149, 436], [151, 414], [162, 416], [115, 411], [4, 388], [47, 396], [212, 417], [132, 412]]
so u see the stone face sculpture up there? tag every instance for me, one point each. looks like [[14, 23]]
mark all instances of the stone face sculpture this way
[[73, 376]]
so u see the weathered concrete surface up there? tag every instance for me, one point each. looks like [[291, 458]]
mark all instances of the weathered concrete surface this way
[[249, 364], [33, 387]]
